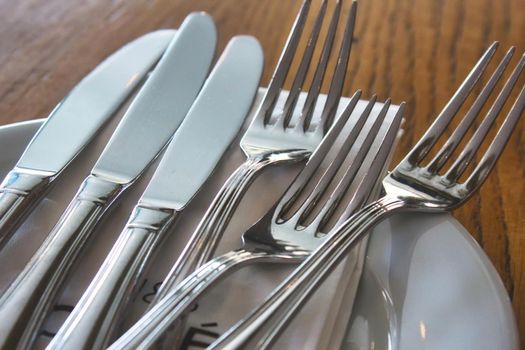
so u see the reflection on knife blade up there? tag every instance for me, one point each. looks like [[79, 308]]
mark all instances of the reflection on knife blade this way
[[81, 114], [208, 129], [147, 126]]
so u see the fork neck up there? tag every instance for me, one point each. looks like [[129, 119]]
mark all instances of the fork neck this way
[[273, 156]]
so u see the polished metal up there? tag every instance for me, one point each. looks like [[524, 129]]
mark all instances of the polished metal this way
[[272, 237], [143, 132], [210, 126], [274, 137], [82, 113], [411, 186]]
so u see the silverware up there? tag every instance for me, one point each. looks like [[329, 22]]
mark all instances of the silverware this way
[[82, 113], [411, 186], [208, 129], [266, 240], [273, 137], [145, 129]]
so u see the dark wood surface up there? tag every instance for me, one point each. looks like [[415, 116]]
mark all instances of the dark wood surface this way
[[413, 51]]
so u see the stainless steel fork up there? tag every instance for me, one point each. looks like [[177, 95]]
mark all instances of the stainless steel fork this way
[[272, 138], [411, 186], [275, 238]]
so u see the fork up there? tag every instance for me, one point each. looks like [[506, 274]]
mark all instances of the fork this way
[[292, 242], [271, 138], [411, 186]]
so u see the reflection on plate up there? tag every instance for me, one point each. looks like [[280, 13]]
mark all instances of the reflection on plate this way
[[426, 283]]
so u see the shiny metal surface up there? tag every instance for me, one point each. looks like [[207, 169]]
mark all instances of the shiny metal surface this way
[[162, 104], [82, 113], [25, 303], [409, 187], [271, 238], [210, 126], [274, 137], [91, 102]]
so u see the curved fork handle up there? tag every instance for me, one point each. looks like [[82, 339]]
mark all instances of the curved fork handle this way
[[25, 303], [261, 328], [91, 323], [206, 237], [152, 326], [20, 191]]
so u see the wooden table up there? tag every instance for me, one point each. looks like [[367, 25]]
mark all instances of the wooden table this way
[[414, 51]]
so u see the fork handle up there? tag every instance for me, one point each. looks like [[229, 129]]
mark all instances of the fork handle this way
[[24, 305], [152, 325], [20, 191], [203, 242], [99, 310], [261, 328]]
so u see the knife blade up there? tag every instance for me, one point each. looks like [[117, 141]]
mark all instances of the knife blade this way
[[145, 129], [209, 128], [82, 113]]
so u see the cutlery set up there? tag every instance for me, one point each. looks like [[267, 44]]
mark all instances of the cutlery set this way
[[157, 209], [84, 110], [158, 110], [189, 115]]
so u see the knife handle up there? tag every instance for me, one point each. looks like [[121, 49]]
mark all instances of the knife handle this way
[[20, 191], [206, 237], [24, 305], [99, 310]]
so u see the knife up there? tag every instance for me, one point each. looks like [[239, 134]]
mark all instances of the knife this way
[[143, 132], [82, 113], [209, 128]]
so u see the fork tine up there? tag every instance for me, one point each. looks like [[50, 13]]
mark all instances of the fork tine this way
[[495, 149], [355, 164], [332, 169], [461, 163], [375, 170], [315, 88], [316, 158], [298, 82], [430, 137], [279, 75], [451, 144], [336, 86]]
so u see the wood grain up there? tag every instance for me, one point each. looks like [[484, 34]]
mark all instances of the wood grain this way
[[414, 51]]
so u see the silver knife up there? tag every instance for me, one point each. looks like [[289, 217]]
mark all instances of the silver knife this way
[[82, 113], [210, 126], [143, 132]]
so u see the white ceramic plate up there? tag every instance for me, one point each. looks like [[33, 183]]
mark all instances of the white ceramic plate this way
[[426, 283]]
